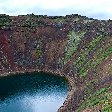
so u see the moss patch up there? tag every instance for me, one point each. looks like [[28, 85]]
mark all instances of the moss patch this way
[[74, 39]]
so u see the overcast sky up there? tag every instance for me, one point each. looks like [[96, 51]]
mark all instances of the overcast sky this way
[[98, 9]]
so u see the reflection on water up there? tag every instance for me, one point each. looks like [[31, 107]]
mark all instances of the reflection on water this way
[[34, 92]]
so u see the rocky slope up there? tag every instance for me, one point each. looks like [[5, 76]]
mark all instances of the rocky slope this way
[[78, 47]]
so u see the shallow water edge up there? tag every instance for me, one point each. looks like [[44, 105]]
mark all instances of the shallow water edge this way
[[58, 73]]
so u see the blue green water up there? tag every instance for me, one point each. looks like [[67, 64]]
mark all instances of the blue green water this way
[[32, 92]]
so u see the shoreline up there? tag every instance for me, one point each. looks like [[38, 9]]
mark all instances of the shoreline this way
[[69, 79]]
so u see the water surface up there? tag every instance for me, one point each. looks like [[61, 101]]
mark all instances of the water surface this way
[[32, 92]]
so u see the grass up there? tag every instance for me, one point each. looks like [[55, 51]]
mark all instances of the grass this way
[[102, 57], [100, 97], [83, 65], [89, 86], [83, 55], [94, 63]]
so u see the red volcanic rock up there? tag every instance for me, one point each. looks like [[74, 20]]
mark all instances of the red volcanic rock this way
[[74, 46]]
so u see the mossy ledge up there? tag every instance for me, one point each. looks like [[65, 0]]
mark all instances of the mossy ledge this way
[[73, 46]]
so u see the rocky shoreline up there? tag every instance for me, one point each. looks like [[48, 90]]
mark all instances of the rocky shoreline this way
[[68, 78]]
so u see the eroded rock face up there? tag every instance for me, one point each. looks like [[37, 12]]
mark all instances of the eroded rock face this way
[[76, 46]]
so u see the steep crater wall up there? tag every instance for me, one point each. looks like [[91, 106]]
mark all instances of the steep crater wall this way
[[74, 46]]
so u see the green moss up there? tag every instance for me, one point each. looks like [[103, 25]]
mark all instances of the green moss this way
[[74, 39], [89, 86], [38, 48], [59, 20], [83, 71], [90, 82], [88, 49], [107, 107], [32, 21], [93, 65], [102, 57], [4, 20], [82, 63], [38, 53]]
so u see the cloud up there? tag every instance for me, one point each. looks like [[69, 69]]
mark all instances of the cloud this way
[[99, 9]]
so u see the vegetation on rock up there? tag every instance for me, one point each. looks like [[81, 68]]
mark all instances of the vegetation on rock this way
[[72, 45]]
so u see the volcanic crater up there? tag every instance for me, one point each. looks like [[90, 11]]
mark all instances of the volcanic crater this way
[[76, 47]]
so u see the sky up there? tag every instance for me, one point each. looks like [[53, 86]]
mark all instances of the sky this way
[[97, 9]]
